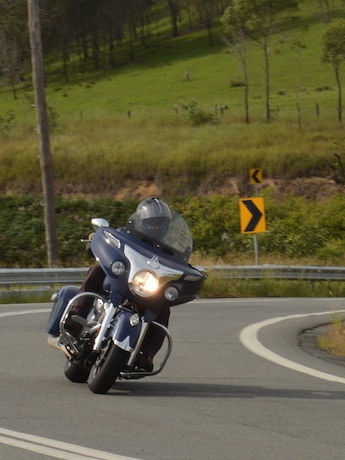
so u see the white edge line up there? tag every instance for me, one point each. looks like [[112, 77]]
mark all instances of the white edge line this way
[[249, 340], [24, 312], [57, 449]]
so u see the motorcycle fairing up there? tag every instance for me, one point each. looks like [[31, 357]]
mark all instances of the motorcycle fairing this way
[[132, 251], [125, 335]]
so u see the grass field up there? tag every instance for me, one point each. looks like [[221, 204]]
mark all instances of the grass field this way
[[118, 127], [156, 82], [113, 127]]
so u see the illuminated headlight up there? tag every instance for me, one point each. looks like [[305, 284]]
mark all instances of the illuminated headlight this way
[[171, 293], [144, 283], [118, 267]]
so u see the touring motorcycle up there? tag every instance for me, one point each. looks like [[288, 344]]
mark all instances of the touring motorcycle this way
[[142, 276]]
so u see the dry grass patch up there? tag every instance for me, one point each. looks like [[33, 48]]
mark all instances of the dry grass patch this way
[[334, 340]]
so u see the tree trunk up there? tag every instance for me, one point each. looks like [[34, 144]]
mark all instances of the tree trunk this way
[[267, 76], [340, 109], [43, 131]]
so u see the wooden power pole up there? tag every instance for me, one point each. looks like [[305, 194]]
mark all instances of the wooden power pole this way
[[43, 132]]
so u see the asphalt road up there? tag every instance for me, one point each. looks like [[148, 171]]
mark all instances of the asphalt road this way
[[237, 386]]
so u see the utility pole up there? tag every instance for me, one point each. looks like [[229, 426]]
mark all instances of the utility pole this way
[[43, 133]]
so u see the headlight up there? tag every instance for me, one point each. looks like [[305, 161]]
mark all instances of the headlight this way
[[144, 283], [118, 267], [134, 319], [171, 293]]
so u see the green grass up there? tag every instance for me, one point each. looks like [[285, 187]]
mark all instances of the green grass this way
[[120, 131], [156, 81], [103, 156]]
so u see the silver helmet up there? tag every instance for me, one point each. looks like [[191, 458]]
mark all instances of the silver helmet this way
[[152, 217]]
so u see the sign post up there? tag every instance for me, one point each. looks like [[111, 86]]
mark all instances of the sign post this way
[[252, 212]]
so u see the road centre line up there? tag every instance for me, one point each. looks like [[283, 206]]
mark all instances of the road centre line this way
[[249, 340]]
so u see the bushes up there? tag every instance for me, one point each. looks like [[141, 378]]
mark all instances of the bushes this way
[[297, 229], [22, 234], [7, 123], [191, 113]]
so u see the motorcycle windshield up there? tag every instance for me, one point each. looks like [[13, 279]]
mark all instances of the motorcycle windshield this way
[[173, 233]]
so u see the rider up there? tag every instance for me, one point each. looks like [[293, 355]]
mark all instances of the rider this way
[[152, 215]]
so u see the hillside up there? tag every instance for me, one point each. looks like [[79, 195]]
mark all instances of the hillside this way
[[311, 188], [122, 131]]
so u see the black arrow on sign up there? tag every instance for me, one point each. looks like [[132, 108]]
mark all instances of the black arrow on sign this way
[[256, 215], [254, 176]]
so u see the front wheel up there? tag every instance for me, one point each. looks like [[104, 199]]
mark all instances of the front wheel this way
[[107, 368]]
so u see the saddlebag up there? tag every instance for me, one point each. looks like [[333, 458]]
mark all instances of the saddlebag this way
[[60, 303]]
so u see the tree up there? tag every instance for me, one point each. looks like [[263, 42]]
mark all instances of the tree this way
[[234, 23], [334, 53], [174, 11], [10, 60], [43, 130], [325, 8], [261, 19], [207, 11], [13, 42], [297, 47], [57, 32]]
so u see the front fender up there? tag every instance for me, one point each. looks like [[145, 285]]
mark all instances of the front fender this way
[[125, 335]]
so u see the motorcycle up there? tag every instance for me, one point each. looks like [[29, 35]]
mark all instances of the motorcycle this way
[[143, 274]]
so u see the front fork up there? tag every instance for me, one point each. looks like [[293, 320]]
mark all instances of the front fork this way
[[129, 335]]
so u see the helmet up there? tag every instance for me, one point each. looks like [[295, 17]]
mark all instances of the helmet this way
[[152, 217]]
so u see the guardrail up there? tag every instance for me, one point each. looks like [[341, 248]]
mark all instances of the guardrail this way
[[22, 277], [40, 276], [38, 284], [291, 272]]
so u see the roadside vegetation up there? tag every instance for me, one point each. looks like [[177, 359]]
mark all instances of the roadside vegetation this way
[[333, 340], [171, 120]]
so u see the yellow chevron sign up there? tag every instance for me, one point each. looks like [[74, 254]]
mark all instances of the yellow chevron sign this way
[[252, 214], [255, 176]]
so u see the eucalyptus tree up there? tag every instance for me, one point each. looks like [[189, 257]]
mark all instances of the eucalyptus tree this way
[[325, 9], [10, 60], [14, 42], [174, 15], [208, 12], [334, 53], [234, 24], [57, 31], [261, 20], [34, 28]]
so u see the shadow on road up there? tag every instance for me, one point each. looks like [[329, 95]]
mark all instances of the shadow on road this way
[[185, 390]]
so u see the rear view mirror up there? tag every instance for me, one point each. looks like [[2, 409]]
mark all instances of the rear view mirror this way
[[98, 222]]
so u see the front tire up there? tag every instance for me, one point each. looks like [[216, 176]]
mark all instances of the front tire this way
[[107, 368]]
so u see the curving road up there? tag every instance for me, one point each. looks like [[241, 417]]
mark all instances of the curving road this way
[[237, 386]]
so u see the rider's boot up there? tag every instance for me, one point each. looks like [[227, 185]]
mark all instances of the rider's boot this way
[[143, 363]]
